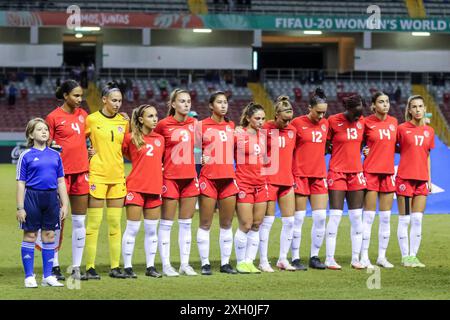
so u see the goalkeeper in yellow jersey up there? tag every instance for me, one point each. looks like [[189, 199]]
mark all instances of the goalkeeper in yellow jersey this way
[[106, 129]]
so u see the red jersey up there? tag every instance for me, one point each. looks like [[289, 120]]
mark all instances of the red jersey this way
[[279, 166], [67, 129], [309, 154], [250, 150], [415, 145], [179, 160], [346, 138], [146, 172], [380, 136], [218, 145]]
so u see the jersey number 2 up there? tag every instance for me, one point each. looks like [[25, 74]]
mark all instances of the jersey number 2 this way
[[150, 150]]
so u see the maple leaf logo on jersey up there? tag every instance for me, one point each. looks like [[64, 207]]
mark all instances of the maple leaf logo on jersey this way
[[81, 119], [402, 187], [330, 182], [164, 189], [93, 187], [358, 125], [242, 194], [323, 127], [157, 143], [426, 133], [290, 134], [191, 128], [120, 129], [130, 196], [203, 185], [391, 127], [228, 128]]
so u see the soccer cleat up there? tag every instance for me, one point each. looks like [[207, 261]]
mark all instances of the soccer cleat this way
[[187, 270], [91, 274], [265, 267], [357, 265], [169, 271], [285, 265], [206, 270], [129, 273], [151, 272], [251, 267], [382, 262], [315, 263], [227, 268], [416, 263], [366, 264], [51, 281], [332, 264], [30, 282], [56, 271], [77, 275], [298, 265], [406, 262], [242, 267], [117, 273]]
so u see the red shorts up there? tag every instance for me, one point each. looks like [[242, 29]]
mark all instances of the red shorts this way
[[276, 192], [409, 188], [346, 181], [307, 186], [77, 184], [145, 200], [218, 188], [180, 188], [380, 182], [252, 194]]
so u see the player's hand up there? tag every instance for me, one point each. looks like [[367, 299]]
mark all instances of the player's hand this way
[[63, 212], [21, 215], [55, 146], [239, 130], [125, 116], [91, 152], [366, 151], [205, 160], [430, 186]]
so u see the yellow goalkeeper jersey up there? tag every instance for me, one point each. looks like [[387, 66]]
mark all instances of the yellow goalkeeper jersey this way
[[106, 134]]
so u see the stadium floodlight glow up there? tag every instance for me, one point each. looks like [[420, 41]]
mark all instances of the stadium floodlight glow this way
[[255, 60], [421, 34], [88, 29], [202, 30], [312, 32], [78, 35]]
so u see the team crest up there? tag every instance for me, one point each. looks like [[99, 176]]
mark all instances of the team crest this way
[[358, 125], [242, 195], [392, 127], [120, 129], [93, 187], [130, 196], [290, 134], [203, 185], [330, 182], [323, 127], [228, 128], [81, 119], [402, 187], [426, 133], [164, 189], [157, 143], [191, 128]]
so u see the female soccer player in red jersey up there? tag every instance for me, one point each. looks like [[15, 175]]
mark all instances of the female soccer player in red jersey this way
[[250, 149], [413, 181], [310, 173], [345, 177], [67, 126], [280, 147], [380, 131], [180, 184], [217, 182], [145, 149]]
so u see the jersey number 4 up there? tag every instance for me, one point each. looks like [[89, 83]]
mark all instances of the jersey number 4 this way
[[75, 127], [385, 133]]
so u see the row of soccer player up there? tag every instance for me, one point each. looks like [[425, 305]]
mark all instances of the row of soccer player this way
[[285, 164]]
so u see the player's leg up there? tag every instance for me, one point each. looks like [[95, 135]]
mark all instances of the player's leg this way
[[264, 232], [27, 254], [259, 211], [114, 211], [370, 208], [187, 210], [78, 205], [151, 218], [244, 212], [336, 208], [227, 207], [299, 218], [404, 218], [384, 230], [48, 252], [168, 213], [207, 208], [415, 236], [355, 200], [319, 204], [134, 213], [288, 233]]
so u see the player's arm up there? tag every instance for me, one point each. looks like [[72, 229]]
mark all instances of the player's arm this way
[[20, 199], [63, 197], [429, 173]]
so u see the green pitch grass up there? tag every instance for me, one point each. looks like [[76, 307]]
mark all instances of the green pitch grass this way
[[432, 282]]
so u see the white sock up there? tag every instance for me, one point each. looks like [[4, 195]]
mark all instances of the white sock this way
[[356, 231], [319, 217], [150, 241], [297, 235], [165, 227], [55, 259], [252, 245], [226, 245], [286, 237], [331, 232], [402, 234], [368, 217], [56, 256], [384, 233], [203, 245], [78, 238], [128, 241], [240, 245], [415, 235], [184, 240], [264, 232]]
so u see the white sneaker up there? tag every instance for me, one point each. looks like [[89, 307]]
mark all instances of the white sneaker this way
[[357, 265], [366, 263], [285, 265], [332, 264], [187, 270], [30, 282], [51, 281], [169, 271], [384, 263], [265, 267]]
